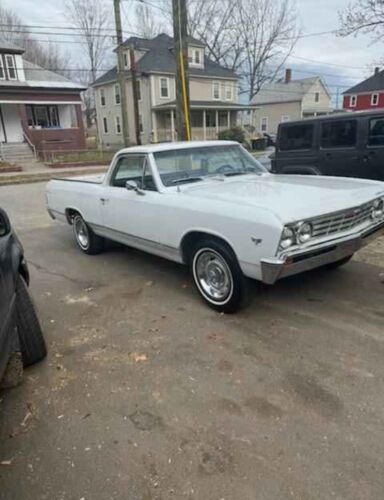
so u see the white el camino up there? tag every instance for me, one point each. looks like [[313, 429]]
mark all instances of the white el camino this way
[[212, 206]]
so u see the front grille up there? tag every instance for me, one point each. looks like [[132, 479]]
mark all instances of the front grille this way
[[342, 221]]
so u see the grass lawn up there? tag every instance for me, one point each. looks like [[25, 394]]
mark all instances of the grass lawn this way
[[81, 156]]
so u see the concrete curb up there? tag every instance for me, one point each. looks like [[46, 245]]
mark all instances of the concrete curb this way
[[7, 180]]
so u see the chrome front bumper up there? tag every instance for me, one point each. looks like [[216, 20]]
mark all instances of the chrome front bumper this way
[[299, 262]]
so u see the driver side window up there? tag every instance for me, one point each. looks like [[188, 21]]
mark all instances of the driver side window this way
[[133, 168]]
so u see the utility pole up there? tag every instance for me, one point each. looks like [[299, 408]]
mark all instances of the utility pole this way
[[134, 94], [120, 73], [183, 120]]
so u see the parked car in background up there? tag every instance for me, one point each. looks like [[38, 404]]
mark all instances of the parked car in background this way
[[212, 206], [346, 145], [19, 326]]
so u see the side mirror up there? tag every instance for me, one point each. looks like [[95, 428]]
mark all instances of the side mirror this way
[[5, 225], [133, 186]]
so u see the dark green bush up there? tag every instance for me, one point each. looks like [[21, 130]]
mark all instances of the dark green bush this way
[[232, 134]]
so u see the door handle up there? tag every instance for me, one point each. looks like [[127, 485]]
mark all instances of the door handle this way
[[104, 200], [328, 156]]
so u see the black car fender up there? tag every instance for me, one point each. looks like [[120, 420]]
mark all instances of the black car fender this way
[[19, 264]]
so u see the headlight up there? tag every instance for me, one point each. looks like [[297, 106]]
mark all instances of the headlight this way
[[287, 238], [304, 232], [378, 209]]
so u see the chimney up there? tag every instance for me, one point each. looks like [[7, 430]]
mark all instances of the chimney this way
[[288, 75], [377, 69]]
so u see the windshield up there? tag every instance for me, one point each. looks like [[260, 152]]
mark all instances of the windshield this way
[[180, 166]]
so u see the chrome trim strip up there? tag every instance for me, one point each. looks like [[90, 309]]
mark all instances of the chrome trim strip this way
[[144, 244]]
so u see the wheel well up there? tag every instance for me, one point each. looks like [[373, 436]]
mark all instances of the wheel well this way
[[70, 214], [191, 239]]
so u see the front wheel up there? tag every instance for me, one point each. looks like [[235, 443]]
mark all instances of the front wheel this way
[[32, 344], [217, 275]]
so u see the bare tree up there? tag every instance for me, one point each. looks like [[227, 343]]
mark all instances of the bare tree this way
[[267, 38], [363, 16], [146, 25], [92, 19], [46, 55], [252, 37]]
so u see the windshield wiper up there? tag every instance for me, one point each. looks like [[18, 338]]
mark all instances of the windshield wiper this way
[[240, 172], [187, 179]]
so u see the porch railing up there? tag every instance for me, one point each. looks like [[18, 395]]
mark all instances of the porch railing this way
[[32, 146]]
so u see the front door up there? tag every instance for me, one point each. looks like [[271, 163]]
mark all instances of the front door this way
[[131, 216]]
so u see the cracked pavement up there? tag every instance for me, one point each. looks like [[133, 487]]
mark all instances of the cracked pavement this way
[[147, 394]]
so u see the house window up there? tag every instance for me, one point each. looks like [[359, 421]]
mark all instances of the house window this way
[[353, 101], [216, 90], [285, 118], [197, 57], [138, 90], [117, 125], [296, 137], [338, 134], [102, 97], [125, 55], [10, 61], [117, 94], [164, 88], [2, 73], [317, 96], [374, 99], [264, 124], [42, 116], [141, 127], [228, 92], [105, 125]]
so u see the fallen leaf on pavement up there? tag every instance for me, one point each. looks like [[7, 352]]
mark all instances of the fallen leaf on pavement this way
[[148, 283], [139, 357], [7, 462]]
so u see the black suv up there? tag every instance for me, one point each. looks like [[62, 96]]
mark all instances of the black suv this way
[[19, 327], [343, 144]]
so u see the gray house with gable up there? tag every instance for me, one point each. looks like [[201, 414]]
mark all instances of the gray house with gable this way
[[213, 94]]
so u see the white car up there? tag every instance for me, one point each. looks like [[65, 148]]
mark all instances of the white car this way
[[212, 206]]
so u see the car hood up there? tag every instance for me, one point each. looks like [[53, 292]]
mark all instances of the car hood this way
[[290, 197]]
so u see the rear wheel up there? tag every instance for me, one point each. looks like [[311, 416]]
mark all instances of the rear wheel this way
[[217, 275], [32, 344], [89, 242], [339, 263]]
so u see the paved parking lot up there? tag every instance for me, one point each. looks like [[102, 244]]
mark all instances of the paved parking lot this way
[[148, 394]]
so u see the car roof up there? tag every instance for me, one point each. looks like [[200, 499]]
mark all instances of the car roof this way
[[336, 116], [172, 146]]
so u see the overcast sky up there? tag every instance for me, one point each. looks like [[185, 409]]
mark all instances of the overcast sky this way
[[341, 61]]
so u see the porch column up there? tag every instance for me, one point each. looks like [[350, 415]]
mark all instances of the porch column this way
[[229, 119], [217, 122], [204, 125], [80, 125], [154, 127], [172, 125]]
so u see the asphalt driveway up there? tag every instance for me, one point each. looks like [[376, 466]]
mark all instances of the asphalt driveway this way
[[147, 394]]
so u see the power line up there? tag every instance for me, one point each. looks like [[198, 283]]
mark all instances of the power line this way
[[327, 64]]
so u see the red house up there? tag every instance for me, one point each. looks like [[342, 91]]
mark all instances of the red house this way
[[368, 94]]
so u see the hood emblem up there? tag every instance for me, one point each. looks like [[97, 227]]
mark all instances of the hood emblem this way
[[256, 241]]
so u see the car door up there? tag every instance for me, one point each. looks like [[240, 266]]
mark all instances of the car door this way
[[372, 146], [338, 152], [132, 216]]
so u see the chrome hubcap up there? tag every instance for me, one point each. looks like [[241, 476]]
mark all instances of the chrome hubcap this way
[[81, 233], [213, 275]]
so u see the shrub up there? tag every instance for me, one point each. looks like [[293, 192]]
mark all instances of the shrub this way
[[232, 134]]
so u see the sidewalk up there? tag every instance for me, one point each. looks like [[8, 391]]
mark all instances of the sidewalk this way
[[46, 173]]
